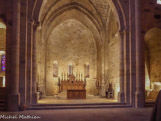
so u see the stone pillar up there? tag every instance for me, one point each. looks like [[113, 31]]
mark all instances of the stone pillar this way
[[140, 60], [14, 96], [29, 62], [34, 66], [121, 96], [23, 53]]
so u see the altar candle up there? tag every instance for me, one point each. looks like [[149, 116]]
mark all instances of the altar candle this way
[[65, 76], [62, 76], [79, 76]]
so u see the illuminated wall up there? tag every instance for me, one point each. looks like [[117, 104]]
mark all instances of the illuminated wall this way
[[112, 56], [70, 43], [153, 63], [2, 53]]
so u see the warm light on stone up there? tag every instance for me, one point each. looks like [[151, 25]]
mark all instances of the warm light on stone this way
[[2, 25], [74, 51], [4, 81], [101, 50]]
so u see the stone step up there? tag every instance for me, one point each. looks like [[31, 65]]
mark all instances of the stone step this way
[[149, 104], [2, 105], [2, 108], [2, 101], [81, 106]]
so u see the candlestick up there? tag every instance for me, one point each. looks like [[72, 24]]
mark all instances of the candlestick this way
[[61, 76]]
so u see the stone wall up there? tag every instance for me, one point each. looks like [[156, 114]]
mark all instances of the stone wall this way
[[153, 44], [70, 43], [151, 12], [112, 56], [2, 39], [40, 62]]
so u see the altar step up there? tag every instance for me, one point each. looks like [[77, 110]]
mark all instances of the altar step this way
[[75, 106], [2, 105], [149, 104]]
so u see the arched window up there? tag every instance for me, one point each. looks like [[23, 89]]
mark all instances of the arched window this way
[[70, 69], [55, 69], [86, 70], [3, 63]]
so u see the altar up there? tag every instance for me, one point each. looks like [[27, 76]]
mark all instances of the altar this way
[[76, 94], [74, 85], [71, 83]]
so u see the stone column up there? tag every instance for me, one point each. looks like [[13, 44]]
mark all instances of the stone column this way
[[34, 66], [140, 60], [14, 96], [103, 90], [23, 53], [121, 97], [29, 62]]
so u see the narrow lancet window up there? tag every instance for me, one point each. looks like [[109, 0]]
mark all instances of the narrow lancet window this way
[[86, 70], [55, 69]]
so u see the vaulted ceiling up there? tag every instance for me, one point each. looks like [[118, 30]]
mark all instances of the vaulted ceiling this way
[[94, 14], [101, 7]]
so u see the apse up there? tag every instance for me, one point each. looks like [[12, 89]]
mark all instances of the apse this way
[[78, 49], [71, 49]]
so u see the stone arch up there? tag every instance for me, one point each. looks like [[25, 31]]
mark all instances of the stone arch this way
[[65, 13], [75, 9], [67, 16], [119, 21], [152, 63], [118, 12], [79, 14]]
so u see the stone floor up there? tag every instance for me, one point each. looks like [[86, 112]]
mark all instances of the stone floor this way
[[109, 114], [89, 99]]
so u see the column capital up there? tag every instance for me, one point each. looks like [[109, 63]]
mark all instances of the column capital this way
[[36, 24], [123, 31]]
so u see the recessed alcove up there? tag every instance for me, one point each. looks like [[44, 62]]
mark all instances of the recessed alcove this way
[[2, 54], [152, 63]]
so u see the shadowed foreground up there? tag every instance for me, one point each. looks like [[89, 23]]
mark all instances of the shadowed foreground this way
[[113, 114]]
